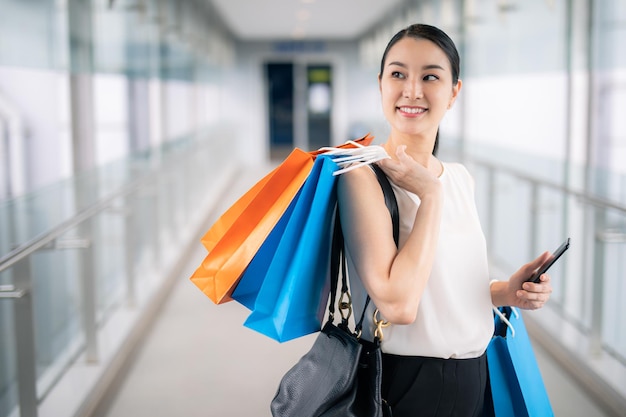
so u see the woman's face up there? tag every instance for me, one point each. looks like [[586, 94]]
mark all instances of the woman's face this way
[[416, 86]]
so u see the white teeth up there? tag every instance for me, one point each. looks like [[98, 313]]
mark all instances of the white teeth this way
[[412, 110]]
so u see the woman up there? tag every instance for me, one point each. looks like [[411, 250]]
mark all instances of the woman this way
[[434, 288]]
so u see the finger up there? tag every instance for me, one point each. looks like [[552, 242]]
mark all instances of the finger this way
[[532, 301], [545, 278], [403, 157], [535, 305], [389, 165], [401, 152], [535, 295], [543, 287], [531, 267], [539, 260]]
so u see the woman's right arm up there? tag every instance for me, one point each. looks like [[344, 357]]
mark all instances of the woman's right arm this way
[[394, 278]]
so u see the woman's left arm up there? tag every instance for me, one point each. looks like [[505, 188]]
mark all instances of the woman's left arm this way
[[517, 292]]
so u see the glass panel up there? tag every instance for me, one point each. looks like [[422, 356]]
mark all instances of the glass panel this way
[[8, 371], [609, 64], [514, 95], [43, 45], [614, 240], [608, 175], [511, 222], [110, 260], [492, 30], [56, 292], [145, 226]]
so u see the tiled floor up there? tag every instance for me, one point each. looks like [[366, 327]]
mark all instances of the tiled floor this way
[[198, 360]]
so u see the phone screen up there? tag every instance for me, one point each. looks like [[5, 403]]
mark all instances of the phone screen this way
[[551, 260]]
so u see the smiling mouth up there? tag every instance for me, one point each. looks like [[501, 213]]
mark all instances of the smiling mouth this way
[[412, 110]]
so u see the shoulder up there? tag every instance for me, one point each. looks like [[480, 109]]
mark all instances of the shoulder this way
[[459, 174], [360, 189], [457, 169], [360, 179]]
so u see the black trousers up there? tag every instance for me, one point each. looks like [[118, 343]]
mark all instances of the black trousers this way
[[416, 386]]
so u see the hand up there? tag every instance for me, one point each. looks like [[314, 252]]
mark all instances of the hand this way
[[409, 174], [528, 295]]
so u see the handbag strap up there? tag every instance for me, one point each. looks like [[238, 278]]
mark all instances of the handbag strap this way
[[390, 201], [392, 205], [338, 258]]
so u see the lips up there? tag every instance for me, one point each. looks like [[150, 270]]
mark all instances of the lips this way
[[412, 110]]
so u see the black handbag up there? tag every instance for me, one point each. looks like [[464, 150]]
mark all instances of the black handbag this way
[[340, 376]]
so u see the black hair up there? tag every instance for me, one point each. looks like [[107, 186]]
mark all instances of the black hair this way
[[439, 38]]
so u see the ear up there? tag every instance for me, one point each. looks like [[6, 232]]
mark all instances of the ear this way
[[455, 93], [380, 87]]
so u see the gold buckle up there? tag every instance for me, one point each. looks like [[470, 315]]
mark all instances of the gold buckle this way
[[380, 324], [345, 305]]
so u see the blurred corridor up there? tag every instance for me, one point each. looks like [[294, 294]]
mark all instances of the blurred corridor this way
[[128, 126]]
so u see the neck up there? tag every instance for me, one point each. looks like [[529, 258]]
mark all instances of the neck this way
[[418, 147]]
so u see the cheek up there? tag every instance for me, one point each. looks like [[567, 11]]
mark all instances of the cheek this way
[[391, 91], [387, 98], [443, 98]]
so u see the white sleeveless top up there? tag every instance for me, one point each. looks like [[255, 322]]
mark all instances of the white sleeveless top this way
[[454, 318]]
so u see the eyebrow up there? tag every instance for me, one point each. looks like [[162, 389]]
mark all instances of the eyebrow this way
[[425, 67]]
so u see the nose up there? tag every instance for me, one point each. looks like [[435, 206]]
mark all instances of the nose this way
[[413, 89]]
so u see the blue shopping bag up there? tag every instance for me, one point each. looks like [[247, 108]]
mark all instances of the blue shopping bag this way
[[251, 280], [515, 382], [294, 289]]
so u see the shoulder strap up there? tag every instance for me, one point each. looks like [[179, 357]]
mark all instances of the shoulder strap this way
[[390, 200], [338, 260], [392, 204]]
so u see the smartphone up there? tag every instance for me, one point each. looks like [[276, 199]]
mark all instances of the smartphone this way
[[551, 260]]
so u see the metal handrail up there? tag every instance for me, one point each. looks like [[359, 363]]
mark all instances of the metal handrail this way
[[24, 327], [602, 236], [587, 198], [21, 295], [596, 208], [38, 242]]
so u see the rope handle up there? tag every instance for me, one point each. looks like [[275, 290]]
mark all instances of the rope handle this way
[[505, 320]]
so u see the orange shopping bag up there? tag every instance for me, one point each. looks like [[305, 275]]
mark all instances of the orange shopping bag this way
[[233, 240]]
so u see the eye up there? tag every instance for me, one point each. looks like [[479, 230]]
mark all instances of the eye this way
[[397, 74], [430, 77]]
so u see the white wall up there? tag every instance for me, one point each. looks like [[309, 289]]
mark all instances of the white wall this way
[[41, 99], [111, 118]]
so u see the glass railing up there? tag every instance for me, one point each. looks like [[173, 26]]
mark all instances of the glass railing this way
[[79, 252], [526, 212], [76, 253]]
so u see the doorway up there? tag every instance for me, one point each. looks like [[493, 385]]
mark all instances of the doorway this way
[[319, 105], [299, 106], [280, 90]]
